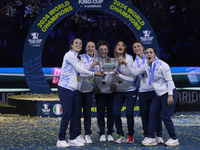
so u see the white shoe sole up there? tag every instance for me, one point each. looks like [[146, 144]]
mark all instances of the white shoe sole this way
[[174, 144], [88, 142], [161, 143], [119, 142], [129, 142], [150, 144], [63, 146], [76, 145]]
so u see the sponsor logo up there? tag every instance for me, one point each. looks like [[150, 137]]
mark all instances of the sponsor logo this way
[[57, 109], [147, 39], [35, 41], [46, 110], [91, 3]]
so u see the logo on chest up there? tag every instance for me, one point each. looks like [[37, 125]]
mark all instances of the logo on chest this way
[[157, 71]]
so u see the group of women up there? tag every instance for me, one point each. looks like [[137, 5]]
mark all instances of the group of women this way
[[82, 80]]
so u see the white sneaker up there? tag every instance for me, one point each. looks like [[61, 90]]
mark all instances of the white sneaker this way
[[75, 142], [110, 138], [149, 142], [144, 139], [88, 139], [62, 143], [81, 139], [102, 138], [159, 140], [172, 142], [120, 139]]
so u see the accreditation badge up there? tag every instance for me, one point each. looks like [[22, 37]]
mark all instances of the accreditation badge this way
[[90, 80], [78, 79]]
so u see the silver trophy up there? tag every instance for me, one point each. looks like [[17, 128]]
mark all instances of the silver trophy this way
[[108, 65]]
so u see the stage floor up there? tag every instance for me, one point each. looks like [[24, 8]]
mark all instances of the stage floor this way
[[30, 133]]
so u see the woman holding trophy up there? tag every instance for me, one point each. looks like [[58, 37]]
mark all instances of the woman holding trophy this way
[[104, 93], [126, 90], [69, 95], [88, 63]]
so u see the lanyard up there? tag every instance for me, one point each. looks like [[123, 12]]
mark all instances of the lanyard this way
[[151, 71], [88, 60], [118, 70], [143, 61]]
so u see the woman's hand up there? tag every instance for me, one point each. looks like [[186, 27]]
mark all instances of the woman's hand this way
[[122, 61], [116, 74], [96, 91], [170, 100], [100, 74], [113, 87], [94, 63]]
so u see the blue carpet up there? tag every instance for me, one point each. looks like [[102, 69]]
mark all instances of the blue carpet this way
[[39, 133]]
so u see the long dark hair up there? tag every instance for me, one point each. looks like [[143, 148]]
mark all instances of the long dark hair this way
[[137, 41], [89, 42], [152, 48], [102, 42], [70, 46]]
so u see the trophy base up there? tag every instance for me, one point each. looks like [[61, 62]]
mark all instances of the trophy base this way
[[110, 72]]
